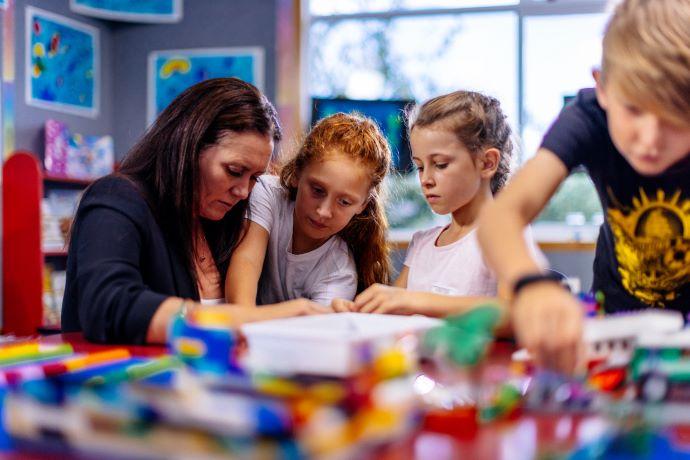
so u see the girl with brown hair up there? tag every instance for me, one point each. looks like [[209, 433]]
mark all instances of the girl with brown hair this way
[[319, 229], [461, 147]]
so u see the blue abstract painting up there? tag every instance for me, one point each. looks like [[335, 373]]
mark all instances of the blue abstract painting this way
[[171, 72], [130, 10], [62, 63]]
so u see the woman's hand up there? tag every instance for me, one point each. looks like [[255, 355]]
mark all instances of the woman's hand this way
[[379, 298], [548, 321]]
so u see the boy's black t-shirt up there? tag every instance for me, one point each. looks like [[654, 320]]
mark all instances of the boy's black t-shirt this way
[[643, 251]]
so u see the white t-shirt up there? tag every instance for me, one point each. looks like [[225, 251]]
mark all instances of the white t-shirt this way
[[321, 275], [457, 269]]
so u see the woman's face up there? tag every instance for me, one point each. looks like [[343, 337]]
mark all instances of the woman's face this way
[[229, 169]]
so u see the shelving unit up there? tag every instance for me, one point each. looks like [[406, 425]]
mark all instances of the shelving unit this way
[[52, 182], [23, 256], [22, 271], [52, 179]]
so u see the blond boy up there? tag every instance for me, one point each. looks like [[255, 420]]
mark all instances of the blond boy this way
[[632, 134]]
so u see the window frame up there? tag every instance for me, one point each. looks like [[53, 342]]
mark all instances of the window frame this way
[[523, 10]]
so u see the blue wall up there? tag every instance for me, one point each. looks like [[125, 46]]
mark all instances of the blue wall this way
[[124, 52], [206, 23], [29, 120]]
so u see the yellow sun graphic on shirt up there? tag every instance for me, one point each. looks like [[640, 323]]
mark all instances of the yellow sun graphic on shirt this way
[[652, 245]]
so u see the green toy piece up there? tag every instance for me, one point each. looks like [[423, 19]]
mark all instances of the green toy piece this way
[[464, 338], [506, 400]]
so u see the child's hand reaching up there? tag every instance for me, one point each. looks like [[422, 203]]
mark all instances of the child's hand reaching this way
[[548, 322], [240, 314], [379, 298], [296, 307], [342, 305]]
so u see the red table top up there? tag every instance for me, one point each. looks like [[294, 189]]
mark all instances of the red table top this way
[[80, 344]]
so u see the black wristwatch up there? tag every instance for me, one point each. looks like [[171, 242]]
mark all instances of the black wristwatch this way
[[532, 278]]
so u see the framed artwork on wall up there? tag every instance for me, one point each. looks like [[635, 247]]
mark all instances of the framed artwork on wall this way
[[130, 10], [171, 72], [62, 70]]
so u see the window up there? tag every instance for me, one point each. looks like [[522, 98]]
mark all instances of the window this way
[[458, 51], [330, 7], [556, 69], [576, 204], [530, 54]]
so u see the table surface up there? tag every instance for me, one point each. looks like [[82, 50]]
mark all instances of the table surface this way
[[529, 436], [82, 345]]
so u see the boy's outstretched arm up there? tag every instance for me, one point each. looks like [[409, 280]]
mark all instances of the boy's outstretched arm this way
[[502, 222], [546, 318], [242, 279]]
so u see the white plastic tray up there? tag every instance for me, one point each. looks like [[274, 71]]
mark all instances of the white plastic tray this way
[[332, 345]]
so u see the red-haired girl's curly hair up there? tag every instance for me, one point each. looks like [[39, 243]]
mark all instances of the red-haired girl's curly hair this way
[[360, 139]]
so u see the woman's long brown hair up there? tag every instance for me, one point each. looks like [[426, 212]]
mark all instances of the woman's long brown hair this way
[[164, 164]]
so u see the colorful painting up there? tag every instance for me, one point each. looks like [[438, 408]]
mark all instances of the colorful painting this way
[[171, 72], [130, 10], [3, 4], [62, 64]]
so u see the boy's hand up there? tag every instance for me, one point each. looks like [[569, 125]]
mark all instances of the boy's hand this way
[[548, 322], [342, 305], [379, 298]]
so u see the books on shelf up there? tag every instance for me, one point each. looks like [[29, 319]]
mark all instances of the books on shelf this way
[[53, 292], [57, 211], [52, 239]]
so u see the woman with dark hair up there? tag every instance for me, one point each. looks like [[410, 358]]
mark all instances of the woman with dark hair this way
[[153, 239]]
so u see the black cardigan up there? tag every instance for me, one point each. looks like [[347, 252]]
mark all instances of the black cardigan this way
[[119, 266]]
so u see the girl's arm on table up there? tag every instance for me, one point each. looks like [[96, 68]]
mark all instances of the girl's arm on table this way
[[244, 271]]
